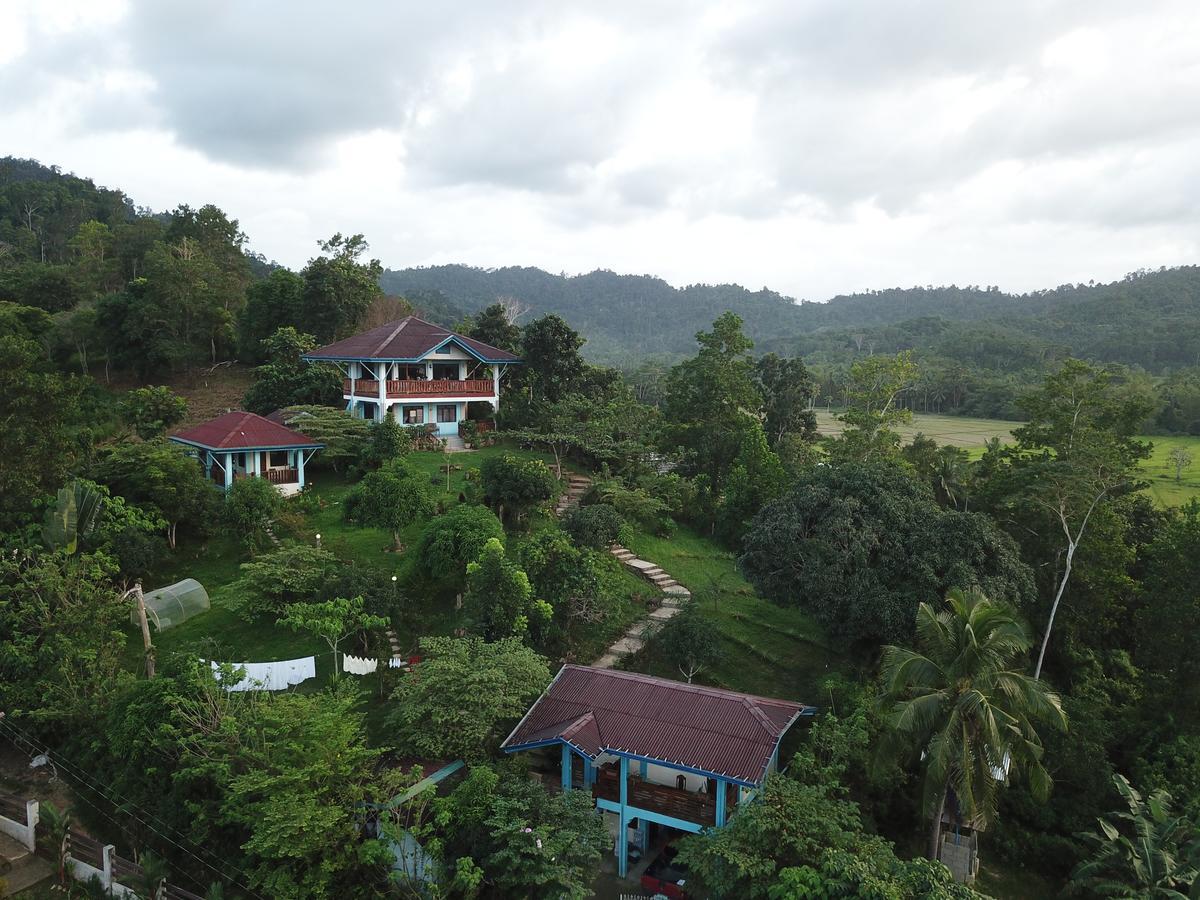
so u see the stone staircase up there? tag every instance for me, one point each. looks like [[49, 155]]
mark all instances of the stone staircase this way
[[674, 593], [20, 869], [454, 443], [577, 486]]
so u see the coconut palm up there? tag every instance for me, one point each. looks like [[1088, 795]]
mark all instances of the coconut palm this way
[[962, 703], [1161, 859]]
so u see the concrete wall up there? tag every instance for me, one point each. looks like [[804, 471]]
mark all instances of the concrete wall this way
[[25, 832]]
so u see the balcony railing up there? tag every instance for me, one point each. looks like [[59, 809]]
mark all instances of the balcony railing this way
[[405, 387], [679, 804], [275, 476]]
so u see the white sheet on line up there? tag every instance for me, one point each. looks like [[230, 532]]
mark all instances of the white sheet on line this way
[[354, 665], [273, 676]]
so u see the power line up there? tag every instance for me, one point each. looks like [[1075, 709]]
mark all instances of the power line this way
[[76, 773]]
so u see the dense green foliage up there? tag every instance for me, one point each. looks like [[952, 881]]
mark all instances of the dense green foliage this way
[[861, 546], [465, 695]]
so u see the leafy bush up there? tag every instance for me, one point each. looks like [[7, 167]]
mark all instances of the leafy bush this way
[[514, 485], [150, 411], [392, 498], [595, 526], [288, 574], [450, 542], [250, 506], [636, 505]]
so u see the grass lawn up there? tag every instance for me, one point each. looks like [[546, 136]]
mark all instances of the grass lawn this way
[[222, 634], [973, 434], [765, 649]]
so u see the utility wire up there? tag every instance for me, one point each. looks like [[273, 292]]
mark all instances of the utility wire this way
[[76, 773]]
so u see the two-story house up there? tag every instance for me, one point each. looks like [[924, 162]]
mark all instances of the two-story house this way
[[655, 752], [417, 372]]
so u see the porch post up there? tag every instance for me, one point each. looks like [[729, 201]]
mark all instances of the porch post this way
[[256, 458], [300, 467], [566, 767], [589, 773], [721, 789], [208, 461], [623, 825], [496, 386], [383, 373], [643, 769], [228, 471]]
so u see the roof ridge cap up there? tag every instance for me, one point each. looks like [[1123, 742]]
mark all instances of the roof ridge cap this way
[[762, 717], [403, 323], [682, 686]]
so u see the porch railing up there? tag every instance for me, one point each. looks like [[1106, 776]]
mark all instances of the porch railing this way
[[405, 387], [275, 476], [679, 804]]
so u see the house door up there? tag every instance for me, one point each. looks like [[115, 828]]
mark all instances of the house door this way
[[447, 419]]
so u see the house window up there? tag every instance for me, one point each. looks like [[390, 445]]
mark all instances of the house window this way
[[447, 413], [279, 459], [681, 782], [414, 415]]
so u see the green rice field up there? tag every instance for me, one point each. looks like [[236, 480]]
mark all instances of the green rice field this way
[[972, 434]]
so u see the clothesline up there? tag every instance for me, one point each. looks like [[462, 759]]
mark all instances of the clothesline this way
[[270, 676], [354, 665]]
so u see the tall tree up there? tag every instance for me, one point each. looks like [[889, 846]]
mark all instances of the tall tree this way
[[1076, 456], [873, 392], [271, 304], [492, 326], [788, 392], [553, 364], [712, 401], [332, 620], [961, 702], [286, 380], [391, 498], [338, 288]]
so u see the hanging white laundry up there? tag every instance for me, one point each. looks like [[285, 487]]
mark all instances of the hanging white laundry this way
[[353, 665], [397, 662], [272, 676]]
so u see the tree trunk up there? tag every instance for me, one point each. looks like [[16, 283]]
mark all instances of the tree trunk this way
[[171, 535], [1062, 586], [936, 827]]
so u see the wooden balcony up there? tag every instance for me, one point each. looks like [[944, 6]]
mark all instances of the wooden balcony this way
[[679, 804], [368, 388], [275, 476]]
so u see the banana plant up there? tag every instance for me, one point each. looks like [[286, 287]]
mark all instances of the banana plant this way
[[73, 517]]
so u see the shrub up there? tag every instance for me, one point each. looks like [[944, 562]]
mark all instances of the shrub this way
[[150, 411], [282, 576], [392, 498], [513, 485], [450, 542], [250, 506], [635, 504], [594, 526]]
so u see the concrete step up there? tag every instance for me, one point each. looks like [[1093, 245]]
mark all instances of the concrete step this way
[[20, 869], [664, 612], [626, 645], [607, 661]]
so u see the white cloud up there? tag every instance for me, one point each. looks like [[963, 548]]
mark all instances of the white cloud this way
[[814, 147]]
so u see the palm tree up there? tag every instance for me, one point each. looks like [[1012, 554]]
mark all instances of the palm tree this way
[[1161, 859], [963, 704]]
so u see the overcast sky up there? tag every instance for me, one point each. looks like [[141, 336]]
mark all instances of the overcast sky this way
[[812, 147]]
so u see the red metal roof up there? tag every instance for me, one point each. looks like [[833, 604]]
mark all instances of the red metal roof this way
[[408, 338], [601, 710], [239, 430]]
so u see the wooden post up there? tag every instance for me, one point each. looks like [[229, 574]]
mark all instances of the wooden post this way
[[623, 825], [140, 599]]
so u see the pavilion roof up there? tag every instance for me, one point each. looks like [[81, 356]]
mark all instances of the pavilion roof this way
[[408, 339], [239, 430], [717, 732]]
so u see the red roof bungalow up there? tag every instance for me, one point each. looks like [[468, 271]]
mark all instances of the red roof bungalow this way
[[655, 751], [244, 445], [418, 372]]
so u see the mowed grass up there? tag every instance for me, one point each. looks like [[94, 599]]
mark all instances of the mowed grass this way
[[972, 434], [222, 634], [764, 649]]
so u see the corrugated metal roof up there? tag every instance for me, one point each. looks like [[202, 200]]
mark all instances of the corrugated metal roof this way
[[407, 338], [240, 430], [597, 710]]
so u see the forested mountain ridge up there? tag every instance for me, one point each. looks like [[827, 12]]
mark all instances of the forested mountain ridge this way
[[1147, 319]]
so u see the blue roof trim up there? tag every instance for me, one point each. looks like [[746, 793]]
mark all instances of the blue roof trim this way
[[211, 449], [312, 357]]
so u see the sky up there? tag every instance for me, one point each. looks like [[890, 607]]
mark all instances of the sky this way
[[811, 147]]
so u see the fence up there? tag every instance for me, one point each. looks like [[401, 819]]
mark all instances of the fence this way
[[86, 857], [19, 819]]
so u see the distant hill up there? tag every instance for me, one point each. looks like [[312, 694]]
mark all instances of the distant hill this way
[[1148, 319]]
